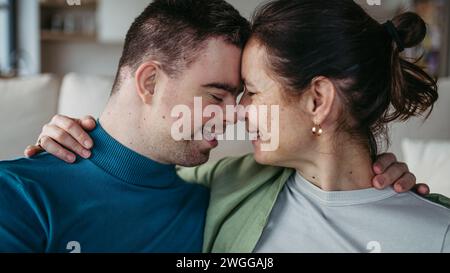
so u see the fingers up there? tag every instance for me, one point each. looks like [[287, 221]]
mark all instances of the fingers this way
[[405, 183], [74, 128], [32, 150], [57, 150], [67, 132], [88, 123], [64, 139], [383, 162], [391, 174], [422, 189]]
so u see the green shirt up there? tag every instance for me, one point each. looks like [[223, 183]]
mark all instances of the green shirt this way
[[243, 194]]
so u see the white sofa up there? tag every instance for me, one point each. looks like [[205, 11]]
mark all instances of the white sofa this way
[[27, 104]]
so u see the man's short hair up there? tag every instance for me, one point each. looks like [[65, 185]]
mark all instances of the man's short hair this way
[[172, 32]]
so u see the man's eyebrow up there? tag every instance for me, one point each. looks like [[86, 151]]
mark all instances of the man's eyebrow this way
[[224, 86]]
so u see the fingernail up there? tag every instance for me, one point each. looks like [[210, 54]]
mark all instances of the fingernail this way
[[380, 181], [377, 168], [88, 144], [71, 158], [86, 154]]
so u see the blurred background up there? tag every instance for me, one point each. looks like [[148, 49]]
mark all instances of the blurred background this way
[[60, 56]]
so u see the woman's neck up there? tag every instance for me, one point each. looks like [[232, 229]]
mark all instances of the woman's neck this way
[[338, 167]]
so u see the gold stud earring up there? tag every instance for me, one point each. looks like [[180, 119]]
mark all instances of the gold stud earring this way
[[317, 130]]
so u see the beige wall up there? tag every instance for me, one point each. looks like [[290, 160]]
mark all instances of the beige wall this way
[[81, 57], [102, 58]]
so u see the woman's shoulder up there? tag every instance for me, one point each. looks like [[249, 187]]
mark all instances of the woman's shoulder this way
[[412, 217], [432, 208], [435, 202], [439, 199]]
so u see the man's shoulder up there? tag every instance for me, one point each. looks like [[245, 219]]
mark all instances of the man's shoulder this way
[[29, 163], [23, 169]]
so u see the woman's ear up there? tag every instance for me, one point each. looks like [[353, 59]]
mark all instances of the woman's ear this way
[[322, 96], [145, 80]]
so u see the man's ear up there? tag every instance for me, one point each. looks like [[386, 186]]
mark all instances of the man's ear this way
[[145, 80], [321, 98]]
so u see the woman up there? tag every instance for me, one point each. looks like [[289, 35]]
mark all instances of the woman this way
[[339, 79]]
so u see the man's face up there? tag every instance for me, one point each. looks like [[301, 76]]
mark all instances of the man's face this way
[[215, 78]]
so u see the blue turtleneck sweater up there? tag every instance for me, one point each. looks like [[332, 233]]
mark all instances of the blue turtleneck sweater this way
[[116, 201]]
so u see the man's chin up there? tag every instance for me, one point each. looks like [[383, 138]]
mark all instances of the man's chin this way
[[195, 157], [195, 153], [195, 160]]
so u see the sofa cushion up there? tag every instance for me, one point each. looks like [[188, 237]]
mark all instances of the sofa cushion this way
[[430, 162], [83, 95], [26, 105]]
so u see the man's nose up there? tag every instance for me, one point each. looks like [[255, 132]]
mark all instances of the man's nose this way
[[244, 102], [230, 116]]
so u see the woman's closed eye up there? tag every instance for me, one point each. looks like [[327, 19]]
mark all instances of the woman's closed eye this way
[[249, 93]]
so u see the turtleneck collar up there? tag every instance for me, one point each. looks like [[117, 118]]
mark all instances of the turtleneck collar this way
[[127, 165]]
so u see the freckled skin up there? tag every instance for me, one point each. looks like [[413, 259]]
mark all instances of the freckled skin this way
[[294, 124]]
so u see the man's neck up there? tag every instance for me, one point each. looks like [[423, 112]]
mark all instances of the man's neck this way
[[126, 128]]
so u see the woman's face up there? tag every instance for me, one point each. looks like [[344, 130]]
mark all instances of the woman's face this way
[[262, 89]]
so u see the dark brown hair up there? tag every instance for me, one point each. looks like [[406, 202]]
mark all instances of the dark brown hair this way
[[174, 31], [339, 40]]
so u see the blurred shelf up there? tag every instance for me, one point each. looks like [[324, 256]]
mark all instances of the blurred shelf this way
[[63, 4], [54, 36], [11, 75]]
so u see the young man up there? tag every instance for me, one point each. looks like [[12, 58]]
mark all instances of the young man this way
[[126, 196]]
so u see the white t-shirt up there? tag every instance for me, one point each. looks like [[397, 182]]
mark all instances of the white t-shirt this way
[[308, 219]]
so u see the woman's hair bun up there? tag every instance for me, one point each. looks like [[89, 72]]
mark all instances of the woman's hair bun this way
[[411, 28]]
